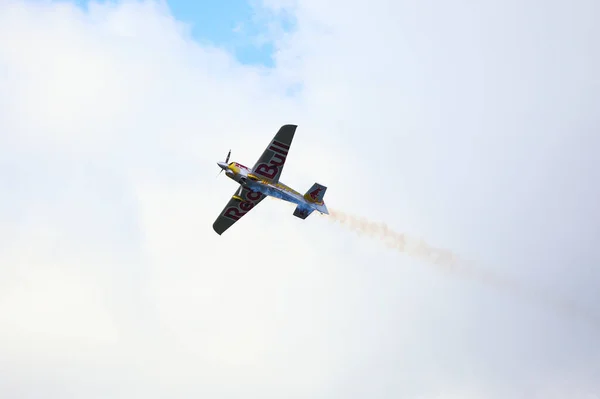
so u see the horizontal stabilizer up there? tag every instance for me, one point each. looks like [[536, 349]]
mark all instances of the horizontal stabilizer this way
[[302, 212]]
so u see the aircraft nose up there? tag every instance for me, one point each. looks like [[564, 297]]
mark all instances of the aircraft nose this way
[[222, 165]]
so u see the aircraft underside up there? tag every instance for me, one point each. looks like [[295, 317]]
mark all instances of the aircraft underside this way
[[284, 193], [262, 180]]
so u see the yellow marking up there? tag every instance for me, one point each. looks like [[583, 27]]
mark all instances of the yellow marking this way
[[235, 197], [286, 188], [274, 185], [309, 199], [234, 168]]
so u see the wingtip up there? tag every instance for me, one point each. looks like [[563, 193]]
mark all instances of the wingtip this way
[[286, 133], [215, 228], [289, 128]]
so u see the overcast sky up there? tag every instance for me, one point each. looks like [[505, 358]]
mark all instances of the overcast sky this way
[[473, 125]]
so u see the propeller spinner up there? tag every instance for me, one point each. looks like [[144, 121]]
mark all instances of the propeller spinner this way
[[223, 165]]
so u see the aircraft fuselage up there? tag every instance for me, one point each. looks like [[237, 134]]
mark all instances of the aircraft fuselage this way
[[263, 180], [243, 176]]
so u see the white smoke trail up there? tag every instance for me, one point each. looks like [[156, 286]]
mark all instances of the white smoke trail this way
[[449, 262]]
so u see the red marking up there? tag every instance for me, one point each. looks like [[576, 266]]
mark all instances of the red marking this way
[[280, 162], [284, 146], [246, 206], [253, 195], [271, 169], [267, 171], [238, 210], [233, 213], [278, 150], [313, 194]]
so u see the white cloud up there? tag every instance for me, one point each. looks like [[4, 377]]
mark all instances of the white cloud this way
[[473, 127]]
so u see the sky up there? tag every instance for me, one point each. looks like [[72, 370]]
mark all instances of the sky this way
[[471, 126], [237, 26]]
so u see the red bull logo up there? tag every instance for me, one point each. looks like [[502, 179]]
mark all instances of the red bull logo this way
[[273, 168], [313, 194], [249, 199]]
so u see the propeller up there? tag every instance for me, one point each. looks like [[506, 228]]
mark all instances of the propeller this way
[[226, 161]]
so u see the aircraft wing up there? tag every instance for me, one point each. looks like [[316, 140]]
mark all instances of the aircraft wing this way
[[270, 164], [240, 203]]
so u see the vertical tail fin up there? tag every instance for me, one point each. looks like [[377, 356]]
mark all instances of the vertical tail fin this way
[[315, 194]]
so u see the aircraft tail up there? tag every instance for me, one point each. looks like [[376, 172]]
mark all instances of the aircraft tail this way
[[315, 194], [314, 197], [302, 212]]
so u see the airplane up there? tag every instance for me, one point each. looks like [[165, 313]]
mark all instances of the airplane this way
[[263, 180]]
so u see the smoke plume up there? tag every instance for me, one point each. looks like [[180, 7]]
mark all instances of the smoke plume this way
[[449, 262]]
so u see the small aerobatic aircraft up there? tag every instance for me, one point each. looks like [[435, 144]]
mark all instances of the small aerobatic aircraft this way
[[263, 180]]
